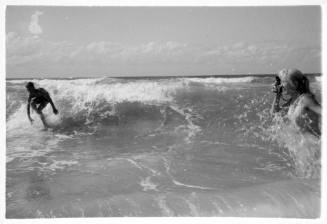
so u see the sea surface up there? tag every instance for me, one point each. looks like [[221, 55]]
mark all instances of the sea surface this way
[[145, 147]]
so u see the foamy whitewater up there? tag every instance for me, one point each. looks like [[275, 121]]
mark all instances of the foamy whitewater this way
[[158, 147]]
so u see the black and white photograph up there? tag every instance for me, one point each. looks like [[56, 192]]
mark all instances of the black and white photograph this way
[[163, 111]]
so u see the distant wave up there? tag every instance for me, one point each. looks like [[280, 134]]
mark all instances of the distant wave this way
[[212, 80]]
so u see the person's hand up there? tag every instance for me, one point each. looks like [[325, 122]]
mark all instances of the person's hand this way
[[55, 111]]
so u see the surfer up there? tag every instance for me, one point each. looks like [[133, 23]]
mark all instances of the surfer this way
[[303, 110], [38, 99]]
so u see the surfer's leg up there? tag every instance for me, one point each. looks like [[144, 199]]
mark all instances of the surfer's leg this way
[[41, 107], [34, 107], [43, 120], [39, 111]]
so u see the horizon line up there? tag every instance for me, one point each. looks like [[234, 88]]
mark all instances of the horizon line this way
[[166, 76]]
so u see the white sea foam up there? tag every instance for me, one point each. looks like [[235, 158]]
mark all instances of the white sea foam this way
[[82, 92], [147, 184], [193, 128], [216, 80], [62, 164], [304, 148], [19, 123]]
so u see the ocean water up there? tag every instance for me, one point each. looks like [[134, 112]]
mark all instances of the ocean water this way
[[158, 147]]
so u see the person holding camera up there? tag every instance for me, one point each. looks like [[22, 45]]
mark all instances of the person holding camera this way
[[278, 90], [303, 110]]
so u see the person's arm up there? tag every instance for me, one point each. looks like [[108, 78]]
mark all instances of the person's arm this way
[[55, 111], [312, 104], [287, 103], [28, 109], [275, 105]]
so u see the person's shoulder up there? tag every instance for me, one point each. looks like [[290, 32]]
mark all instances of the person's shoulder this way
[[307, 98], [41, 90]]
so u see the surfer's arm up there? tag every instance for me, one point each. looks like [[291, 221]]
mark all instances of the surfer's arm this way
[[28, 108], [55, 111]]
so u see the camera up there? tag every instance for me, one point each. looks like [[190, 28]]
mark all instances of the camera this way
[[277, 88]]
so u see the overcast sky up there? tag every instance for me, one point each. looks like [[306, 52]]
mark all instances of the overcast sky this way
[[150, 41]]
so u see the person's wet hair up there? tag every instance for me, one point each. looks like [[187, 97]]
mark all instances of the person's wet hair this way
[[300, 82], [297, 79], [30, 85]]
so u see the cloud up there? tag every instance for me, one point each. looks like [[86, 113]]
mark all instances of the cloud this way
[[105, 55], [30, 49], [34, 26]]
